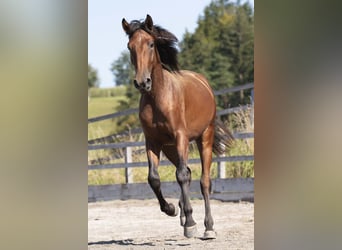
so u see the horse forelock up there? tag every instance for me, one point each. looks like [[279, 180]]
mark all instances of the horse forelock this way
[[165, 41]]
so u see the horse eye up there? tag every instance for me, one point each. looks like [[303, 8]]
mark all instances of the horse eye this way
[[151, 45]]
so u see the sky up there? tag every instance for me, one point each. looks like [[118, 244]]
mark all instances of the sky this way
[[107, 40]]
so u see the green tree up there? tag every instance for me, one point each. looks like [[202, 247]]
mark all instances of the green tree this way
[[239, 44], [222, 47], [124, 75], [122, 69], [93, 79], [132, 101]]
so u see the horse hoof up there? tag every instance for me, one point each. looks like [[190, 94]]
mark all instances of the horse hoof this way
[[171, 211], [208, 235], [182, 220], [190, 232]]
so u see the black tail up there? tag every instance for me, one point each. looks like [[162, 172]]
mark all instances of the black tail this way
[[223, 138]]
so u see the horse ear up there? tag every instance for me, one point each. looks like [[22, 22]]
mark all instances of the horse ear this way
[[125, 26], [148, 22]]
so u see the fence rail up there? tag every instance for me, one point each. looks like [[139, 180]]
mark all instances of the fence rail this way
[[231, 189], [167, 163], [142, 143], [114, 115], [135, 110], [139, 130], [234, 89]]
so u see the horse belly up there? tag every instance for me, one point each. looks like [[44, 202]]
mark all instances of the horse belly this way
[[200, 113], [200, 106]]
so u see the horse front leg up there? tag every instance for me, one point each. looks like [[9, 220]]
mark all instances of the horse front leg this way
[[181, 204], [153, 154], [170, 151], [183, 175]]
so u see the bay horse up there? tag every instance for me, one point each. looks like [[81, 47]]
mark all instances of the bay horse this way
[[176, 107]]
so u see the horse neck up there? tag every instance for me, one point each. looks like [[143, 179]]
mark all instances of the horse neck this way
[[158, 81]]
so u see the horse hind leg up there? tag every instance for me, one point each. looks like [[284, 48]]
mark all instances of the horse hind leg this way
[[204, 144]]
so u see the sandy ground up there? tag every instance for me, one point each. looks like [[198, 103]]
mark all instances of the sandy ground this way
[[139, 224]]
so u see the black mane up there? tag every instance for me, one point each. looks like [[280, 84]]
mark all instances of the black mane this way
[[165, 42]]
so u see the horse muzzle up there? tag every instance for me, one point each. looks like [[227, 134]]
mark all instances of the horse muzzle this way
[[145, 85]]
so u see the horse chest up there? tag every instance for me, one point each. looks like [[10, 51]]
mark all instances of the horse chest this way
[[155, 124]]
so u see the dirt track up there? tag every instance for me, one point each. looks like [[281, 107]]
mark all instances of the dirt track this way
[[139, 224]]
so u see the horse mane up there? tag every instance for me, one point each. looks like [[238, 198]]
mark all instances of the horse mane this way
[[165, 42]]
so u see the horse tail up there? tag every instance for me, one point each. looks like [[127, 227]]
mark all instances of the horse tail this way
[[223, 138]]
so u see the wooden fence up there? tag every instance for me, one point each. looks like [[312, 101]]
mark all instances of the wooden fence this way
[[231, 189], [106, 192]]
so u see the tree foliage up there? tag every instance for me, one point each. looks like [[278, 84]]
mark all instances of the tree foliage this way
[[122, 69], [93, 79], [222, 47], [124, 75], [132, 101]]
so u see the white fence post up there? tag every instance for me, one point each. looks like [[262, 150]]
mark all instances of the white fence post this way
[[221, 168], [128, 171]]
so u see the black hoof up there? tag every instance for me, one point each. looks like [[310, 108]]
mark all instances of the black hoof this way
[[172, 210]]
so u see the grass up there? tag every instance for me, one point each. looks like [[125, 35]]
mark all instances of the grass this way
[[241, 121], [243, 168], [102, 106], [107, 92], [238, 122], [106, 176], [103, 102]]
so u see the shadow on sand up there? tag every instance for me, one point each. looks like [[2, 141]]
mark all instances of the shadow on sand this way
[[127, 242]]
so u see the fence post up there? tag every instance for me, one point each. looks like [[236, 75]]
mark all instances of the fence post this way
[[128, 171], [221, 168]]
